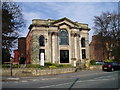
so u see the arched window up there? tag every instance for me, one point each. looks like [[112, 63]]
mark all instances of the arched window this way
[[41, 40], [63, 36], [83, 42]]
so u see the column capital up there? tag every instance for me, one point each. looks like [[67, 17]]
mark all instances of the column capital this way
[[49, 33], [75, 34], [55, 33]]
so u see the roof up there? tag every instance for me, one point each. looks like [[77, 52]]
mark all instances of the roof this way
[[51, 22]]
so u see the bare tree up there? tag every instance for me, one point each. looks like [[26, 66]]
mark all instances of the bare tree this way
[[107, 25]]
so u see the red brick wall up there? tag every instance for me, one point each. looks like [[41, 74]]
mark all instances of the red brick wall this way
[[16, 56], [98, 50], [22, 46]]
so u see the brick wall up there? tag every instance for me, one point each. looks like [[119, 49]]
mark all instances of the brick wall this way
[[22, 46], [16, 56], [98, 49]]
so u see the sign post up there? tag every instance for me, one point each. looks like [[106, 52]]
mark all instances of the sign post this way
[[11, 65], [42, 59]]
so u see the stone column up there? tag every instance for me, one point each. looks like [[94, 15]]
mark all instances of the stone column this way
[[54, 47], [49, 47], [76, 48], [72, 46], [80, 50], [78, 45], [53, 51]]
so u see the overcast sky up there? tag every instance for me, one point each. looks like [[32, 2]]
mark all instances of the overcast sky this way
[[82, 12]]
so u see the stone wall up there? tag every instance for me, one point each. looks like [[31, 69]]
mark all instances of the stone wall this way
[[39, 72], [36, 71], [95, 67]]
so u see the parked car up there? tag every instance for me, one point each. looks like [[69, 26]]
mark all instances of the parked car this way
[[100, 62], [110, 66]]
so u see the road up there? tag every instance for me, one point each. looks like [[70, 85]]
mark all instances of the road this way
[[81, 79]]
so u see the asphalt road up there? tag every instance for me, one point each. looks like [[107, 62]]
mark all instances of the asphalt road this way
[[82, 79]]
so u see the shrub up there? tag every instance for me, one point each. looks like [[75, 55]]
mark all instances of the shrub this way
[[48, 64], [93, 62], [111, 60]]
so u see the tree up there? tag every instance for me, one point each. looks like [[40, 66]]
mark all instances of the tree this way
[[107, 25], [12, 23]]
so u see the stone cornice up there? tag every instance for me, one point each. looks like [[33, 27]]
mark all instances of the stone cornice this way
[[59, 20], [35, 25]]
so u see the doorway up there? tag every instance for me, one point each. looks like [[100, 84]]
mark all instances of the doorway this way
[[64, 56]]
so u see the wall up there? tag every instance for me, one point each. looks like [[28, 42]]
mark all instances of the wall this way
[[36, 71], [98, 50], [22, 46], [16, 56]]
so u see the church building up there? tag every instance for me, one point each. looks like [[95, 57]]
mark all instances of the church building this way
[[60, 40]]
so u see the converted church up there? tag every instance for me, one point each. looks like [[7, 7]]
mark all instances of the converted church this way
[[60, 40]]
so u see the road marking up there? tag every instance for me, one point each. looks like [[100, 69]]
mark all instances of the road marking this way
[[24, 81], [88, 74], [76, 82], [55, 85], [105, 77], [13, 78], [44, 79], [49, 78], [35, 80]]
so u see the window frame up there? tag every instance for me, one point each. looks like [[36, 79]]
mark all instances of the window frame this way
[[83, 44], [41, 40], [64, 37]]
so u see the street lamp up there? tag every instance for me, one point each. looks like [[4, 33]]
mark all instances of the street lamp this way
[[106, 20]]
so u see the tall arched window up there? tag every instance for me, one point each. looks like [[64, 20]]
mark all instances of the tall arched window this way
[[83, 42], [41, 40], [63, 36]]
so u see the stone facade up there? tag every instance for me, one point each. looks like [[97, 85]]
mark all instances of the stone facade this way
[[46, 36]]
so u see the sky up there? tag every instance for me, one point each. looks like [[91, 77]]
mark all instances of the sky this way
[[82, 12]]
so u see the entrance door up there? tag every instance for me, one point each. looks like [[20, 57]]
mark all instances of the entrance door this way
[[64, 56], [41, 51]]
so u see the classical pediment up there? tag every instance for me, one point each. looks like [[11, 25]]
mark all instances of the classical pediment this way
[[65, 21]]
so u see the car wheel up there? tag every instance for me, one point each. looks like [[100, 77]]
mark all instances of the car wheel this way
[[112, 69]]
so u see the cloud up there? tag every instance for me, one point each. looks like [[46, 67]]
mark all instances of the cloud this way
[[28, 17], [82, 12]]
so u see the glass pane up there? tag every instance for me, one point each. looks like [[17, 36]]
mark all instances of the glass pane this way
[[41, 41], [63, 37], [83, 42]]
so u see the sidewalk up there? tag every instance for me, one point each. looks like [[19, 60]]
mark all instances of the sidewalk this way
[[81, 73]]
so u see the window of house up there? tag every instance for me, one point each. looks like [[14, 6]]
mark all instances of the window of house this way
[[63, 37], [83, 53], [83, 42], [41, 40]]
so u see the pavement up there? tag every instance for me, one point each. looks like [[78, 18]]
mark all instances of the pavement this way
[[81, 79], [47, 77]]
